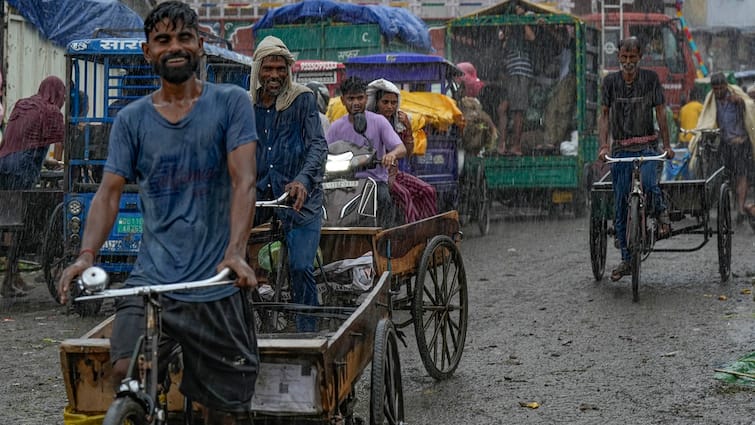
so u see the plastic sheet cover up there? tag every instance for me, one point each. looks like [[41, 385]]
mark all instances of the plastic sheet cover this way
[[62, 21], [394, 22]]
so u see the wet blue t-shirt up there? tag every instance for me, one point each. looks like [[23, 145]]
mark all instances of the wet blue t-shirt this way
[[184, 186]]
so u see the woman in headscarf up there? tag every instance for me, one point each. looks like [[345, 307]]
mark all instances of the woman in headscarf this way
[[416, 198], [35, 123]]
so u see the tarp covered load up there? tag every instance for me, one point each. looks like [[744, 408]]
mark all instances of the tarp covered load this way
[[62, 21], [394, 22]]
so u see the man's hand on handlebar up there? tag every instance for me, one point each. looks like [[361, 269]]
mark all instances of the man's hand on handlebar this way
[[245, 277], [389, 160], [669, 152], [71, 272], [298, 193], [602, 152]]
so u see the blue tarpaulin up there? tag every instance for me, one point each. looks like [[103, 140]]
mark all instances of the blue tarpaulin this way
[[394, 22], [62, 21]]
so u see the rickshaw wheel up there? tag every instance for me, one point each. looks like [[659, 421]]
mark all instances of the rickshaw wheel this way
[[634, 224], [598, 244], [439, 307], [387, 391], [125, 410], [724, 231], [483, 202], [53, 251]]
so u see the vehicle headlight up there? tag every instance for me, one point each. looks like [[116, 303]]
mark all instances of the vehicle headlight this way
[[75, 207], [75, 224]]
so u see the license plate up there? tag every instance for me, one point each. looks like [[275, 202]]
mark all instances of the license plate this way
[[128, 225], [562, 196], [340, 184]]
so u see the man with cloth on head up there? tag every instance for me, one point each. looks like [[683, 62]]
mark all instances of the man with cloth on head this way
[[291, 157], [729, 108]]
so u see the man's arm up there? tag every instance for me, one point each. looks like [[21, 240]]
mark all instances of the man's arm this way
[[243, 170], [391, 139], [99, 222], [660, 114], [316, 151], [603, 132]]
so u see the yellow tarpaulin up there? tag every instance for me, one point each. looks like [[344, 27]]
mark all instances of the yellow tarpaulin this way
[[424, 108]]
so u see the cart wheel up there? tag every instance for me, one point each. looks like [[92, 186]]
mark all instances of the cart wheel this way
[[598, 244], [54, 260], [465, 198], [483, 202], [387, 391], [53, 251], [125, 410], [439, 307], [724, 232], [634, 223]]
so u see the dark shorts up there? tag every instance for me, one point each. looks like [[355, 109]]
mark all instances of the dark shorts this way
[[517, 91], [220, 359], [737, 158]]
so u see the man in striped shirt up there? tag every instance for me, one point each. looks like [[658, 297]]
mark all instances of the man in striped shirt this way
[[517, 63]]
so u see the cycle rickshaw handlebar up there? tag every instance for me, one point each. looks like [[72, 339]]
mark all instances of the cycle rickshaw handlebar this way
[[700, 131], [94, 280], [661, 157]]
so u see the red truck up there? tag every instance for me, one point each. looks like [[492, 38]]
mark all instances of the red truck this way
[[665, 49]]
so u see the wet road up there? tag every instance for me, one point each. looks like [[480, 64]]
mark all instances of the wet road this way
[[540, 330]]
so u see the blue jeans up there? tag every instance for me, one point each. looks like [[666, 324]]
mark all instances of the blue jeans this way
[[621, 177], [302, 242]]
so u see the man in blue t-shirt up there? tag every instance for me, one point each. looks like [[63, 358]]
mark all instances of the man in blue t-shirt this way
[[629, 98], [190, 146]]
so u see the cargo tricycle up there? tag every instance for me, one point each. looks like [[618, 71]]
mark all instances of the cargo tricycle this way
[[311, 377], [689, 203], [559, 136]]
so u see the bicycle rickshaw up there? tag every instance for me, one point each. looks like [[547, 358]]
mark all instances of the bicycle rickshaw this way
[[104, 75], [418, 263], [689, 203], [459, 181]]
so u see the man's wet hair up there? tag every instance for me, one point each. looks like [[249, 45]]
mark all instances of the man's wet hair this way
[[631, 43], [176, 12], [717, 79], [353, 85]]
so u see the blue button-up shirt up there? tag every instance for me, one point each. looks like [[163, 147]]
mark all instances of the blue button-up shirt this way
[[291, 147]]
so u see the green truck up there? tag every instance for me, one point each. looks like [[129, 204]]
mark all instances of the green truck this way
[[542, 177], [334, 31]]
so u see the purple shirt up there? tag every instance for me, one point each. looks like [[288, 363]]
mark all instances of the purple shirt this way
[[380, 135]]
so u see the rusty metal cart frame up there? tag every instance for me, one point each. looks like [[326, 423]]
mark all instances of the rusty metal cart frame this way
[[420, 260], [428, 277]]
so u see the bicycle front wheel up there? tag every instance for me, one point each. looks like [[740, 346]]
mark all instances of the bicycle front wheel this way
[[634, 240], [125, 411]]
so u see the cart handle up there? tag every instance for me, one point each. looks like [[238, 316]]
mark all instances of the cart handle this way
[[660, 157]]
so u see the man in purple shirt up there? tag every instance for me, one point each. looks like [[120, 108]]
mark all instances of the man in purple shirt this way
[[379, 135]]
